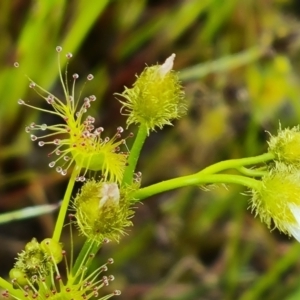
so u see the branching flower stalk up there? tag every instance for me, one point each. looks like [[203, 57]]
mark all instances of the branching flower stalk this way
[[103, 208]]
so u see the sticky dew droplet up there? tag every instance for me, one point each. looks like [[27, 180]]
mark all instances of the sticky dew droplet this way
[[50, 99], [120, 129], [82, 178], [117, 292], [111, 277], [110, 261], [58, 169], [92, 97], [64, 172], [32, 85], [90, 77]]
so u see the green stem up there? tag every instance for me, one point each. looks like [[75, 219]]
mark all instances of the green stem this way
[[206, 176], [88, 248], [251, 172], [64, 206], [236, 163], [134, 154], [195, 179]]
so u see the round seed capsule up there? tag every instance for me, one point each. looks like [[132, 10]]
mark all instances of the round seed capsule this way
[[18, 276], [52, 248]]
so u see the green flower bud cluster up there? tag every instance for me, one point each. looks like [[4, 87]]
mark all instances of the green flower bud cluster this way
[[37, 259], [286, 146], [103, 211], [277, 197], [36, 275], [156, 97]]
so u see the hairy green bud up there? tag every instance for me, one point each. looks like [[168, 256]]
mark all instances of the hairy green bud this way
[[286, 145], [156, 97], [277, 198], [36, 259], [103, 211]]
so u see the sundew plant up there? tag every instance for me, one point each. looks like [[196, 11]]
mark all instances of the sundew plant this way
[[104, 206]]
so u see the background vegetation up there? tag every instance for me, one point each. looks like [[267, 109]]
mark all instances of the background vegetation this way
[[239, 63]]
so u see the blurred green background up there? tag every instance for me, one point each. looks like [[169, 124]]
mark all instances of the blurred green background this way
[[239, 63]]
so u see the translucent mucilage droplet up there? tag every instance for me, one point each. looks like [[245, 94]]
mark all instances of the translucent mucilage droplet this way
[[58, 169], [63, 172], [90, 77], [92, 97], [43, 126], [120, 129]]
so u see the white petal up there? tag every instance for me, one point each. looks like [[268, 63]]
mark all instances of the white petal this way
[[295, 209], [294, 230], [167, 65], [109, 192]]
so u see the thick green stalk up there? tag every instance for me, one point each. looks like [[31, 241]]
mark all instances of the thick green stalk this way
[[134, 154], [64, 206], [195, 179]]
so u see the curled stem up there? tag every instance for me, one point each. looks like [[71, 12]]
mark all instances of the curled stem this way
[[195, 179], [209, 176], [251, 172], [236, 163]]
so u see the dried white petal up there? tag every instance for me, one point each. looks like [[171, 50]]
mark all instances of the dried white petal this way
[[109, 193], [167, 65], [294, 229], [295, 209]]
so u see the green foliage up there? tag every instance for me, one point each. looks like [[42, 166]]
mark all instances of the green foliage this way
[[239, 64]]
